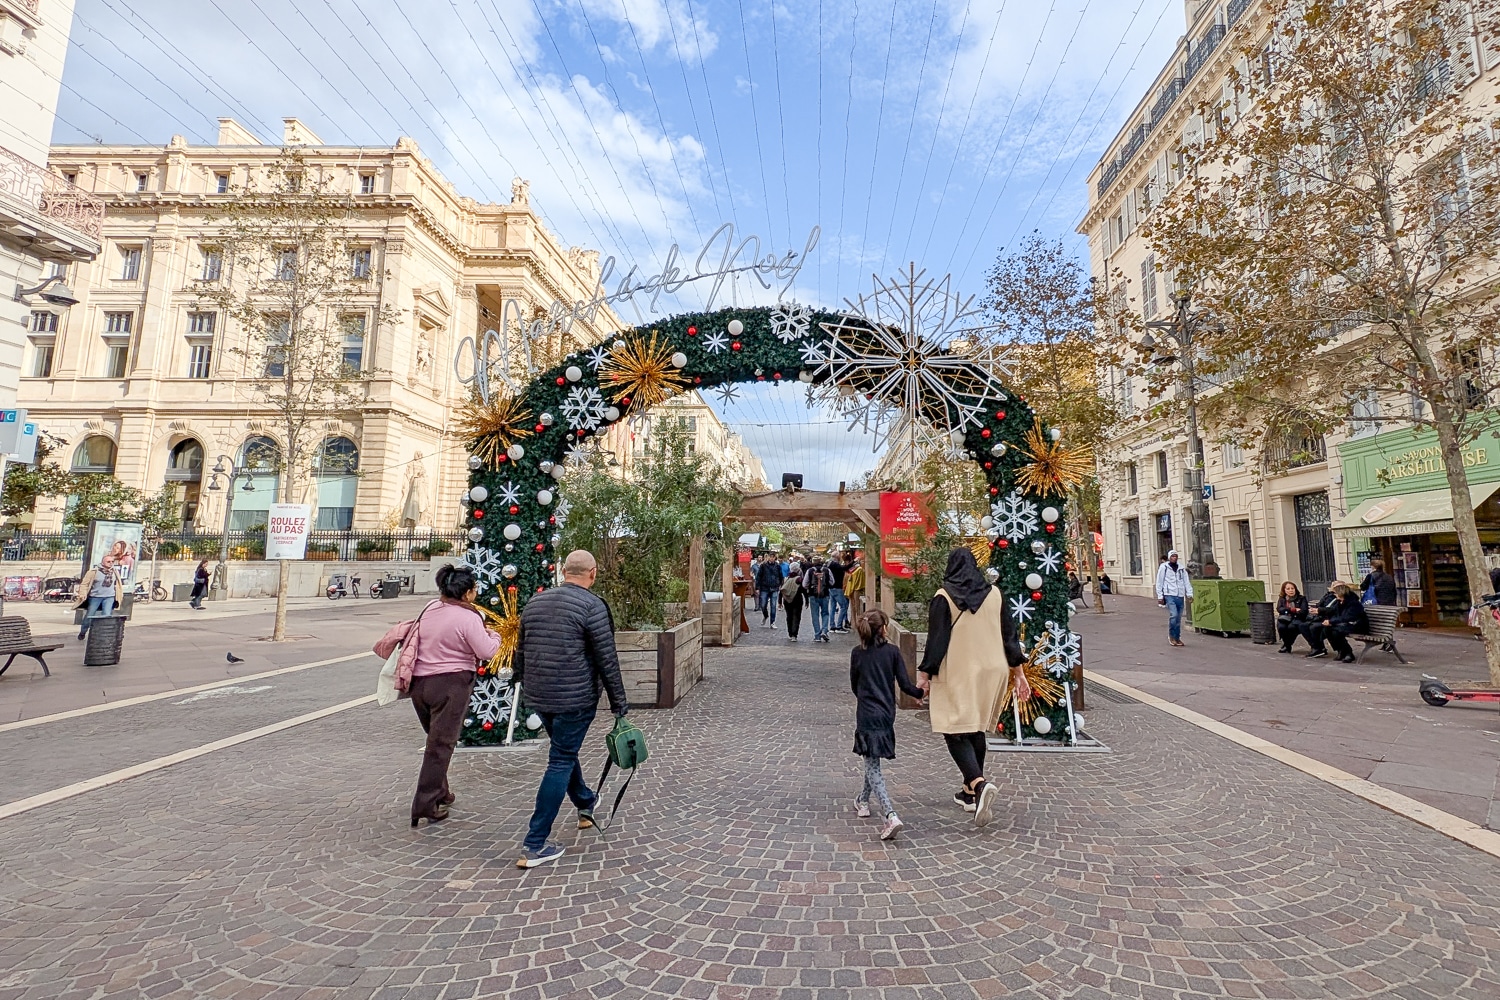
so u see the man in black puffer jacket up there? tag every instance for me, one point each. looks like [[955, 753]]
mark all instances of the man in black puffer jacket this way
[[565, 656]]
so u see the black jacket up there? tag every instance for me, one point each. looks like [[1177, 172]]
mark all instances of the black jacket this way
[[1326, 606], [567, 652], [1348, 617], [769, 576], [874, 674], [1294, 608], [1385, 587]]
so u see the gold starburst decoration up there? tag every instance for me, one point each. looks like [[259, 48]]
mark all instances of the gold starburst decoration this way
[[1045, 690], [642, 371], [506, 623], [1054, 466], [490, 428], [981, 548]]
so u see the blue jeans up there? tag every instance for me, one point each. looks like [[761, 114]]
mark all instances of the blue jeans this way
[[100, 606], [821, 610], [563, 776], [768, 604], [1174, 616], [840, 607]]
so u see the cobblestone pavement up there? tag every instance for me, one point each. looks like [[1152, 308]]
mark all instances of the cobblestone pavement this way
[[1364, 718], [1176, 866]]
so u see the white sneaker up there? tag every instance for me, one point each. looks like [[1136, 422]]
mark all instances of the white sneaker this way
[[892, 827], [862, 809]]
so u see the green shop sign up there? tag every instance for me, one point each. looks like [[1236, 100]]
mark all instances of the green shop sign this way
[[1404, 461]]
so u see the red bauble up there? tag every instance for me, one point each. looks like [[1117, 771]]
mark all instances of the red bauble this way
[[1004, 543], [540, 589], [478, 514], [501, 458], [540, 428], [551, 520], [760, 378], [511, 589], [541, 546], [989, 465], [583, 432], [692, 331], [985, 433], [776, 376], [736, 346], [487, 726], [994, 491], [697, 380], [625, 401], [514, 509], [561, 380], [1051, 528], [999, 414], [1036, 595]]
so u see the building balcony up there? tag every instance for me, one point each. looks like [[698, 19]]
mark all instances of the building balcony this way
[[51, 214]]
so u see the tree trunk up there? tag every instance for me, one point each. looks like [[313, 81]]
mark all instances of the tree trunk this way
[[1467, 529], [279, 632], [1083, 547]]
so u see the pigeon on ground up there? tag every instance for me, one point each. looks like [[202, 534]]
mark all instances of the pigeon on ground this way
[[232, 658]]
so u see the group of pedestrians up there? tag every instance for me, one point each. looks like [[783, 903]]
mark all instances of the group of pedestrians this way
[[820, 585]]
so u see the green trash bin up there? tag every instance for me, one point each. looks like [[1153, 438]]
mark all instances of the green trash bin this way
[[1223, 606]]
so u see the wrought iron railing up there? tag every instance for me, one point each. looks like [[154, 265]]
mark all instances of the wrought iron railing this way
[[1295, 450], [1203, 49], [403, 545], [1237, 10], [41, 192]]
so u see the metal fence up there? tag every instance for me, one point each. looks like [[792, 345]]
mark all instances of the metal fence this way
[[407, 544]]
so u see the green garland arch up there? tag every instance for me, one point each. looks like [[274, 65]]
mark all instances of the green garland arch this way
[[756, 355]]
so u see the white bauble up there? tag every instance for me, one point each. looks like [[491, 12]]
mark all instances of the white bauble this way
[[512, 531], [611, 413], [1078, 722], [1042, 725], [1033, 581], [992, 574], [736, 328], [546, 419], [476, 534], [515, 453], [479, 494], [475, 462], [956, 435], [544, 497], [533, 722], [986, 522], [1056, 434], [679, 360], [573, 373], [804, 376], [558, 472], [1050, 514]]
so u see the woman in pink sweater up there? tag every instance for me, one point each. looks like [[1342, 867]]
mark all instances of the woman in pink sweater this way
[[451, 641]]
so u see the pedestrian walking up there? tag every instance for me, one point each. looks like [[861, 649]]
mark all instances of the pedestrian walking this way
[[567, 653], [817, 585], [875, 669], [1173, 591], [838, 601], [1378, 586], [99, 592], [442, 649], [791, 602], [967, 629], [768, 581], [200, 585], [854, 585]]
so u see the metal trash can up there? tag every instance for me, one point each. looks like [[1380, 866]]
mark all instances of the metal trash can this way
[[182, 592], [106, 637], [390, 588], [1262, 622]]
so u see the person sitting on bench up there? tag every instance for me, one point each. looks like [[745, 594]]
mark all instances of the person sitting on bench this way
[[1291, 615], [1336, 624]]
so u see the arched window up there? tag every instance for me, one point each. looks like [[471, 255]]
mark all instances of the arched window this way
[[95, 453], [260, 454], [337, 457], [185, 464], [259, 483]]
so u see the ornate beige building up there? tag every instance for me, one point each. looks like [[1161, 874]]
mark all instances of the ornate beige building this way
[[626, 442], [140, 379]]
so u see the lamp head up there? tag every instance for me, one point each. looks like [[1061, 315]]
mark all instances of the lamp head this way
[[60, 295]]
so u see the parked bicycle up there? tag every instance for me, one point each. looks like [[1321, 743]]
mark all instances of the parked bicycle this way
[[340, 584]]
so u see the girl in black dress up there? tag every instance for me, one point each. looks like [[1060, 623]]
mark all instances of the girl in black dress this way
[[875, 668]]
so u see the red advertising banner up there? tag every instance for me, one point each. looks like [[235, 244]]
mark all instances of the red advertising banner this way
[[906, 523]]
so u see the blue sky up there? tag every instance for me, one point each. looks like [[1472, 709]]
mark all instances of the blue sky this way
[[910, 130]]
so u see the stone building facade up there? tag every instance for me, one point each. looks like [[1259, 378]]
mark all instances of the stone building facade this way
[[141, 380]]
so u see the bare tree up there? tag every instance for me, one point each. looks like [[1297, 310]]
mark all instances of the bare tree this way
[[1340, 224], [299, 286]]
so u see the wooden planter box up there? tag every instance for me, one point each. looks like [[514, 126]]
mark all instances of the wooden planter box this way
[[713, 610], [660, 668], [914, 644]]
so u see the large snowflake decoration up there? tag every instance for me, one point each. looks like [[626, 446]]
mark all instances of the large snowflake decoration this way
[[728, 392], [814, 353], [485, 563], [1022, 608], [715, 343], [1061, 650], [583, 408], [791, 322], [1050, 561], [577, 456], [490, 701], [597, 355], [918, 345], [560, 513], [1015, 517], [508, 495]]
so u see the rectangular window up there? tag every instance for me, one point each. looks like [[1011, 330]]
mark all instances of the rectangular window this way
[[130, 263], [366, 183], [200, 359], [141, 181], [116, 355], [1133, 545], [221, 183], [1148, 286], [1161, 470], [41, 357], [118, 322], [286, 265], [43, 322], [278, 332], [354, 342], [359, 263], [1364, 411], [201, 324], [1132, 478], [1234, 455], [213, 263]]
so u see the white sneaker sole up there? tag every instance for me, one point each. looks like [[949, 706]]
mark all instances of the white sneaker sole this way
[[890, 832], [526, 862], [985, 807]]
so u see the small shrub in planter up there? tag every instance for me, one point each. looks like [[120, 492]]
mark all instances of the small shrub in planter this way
[[439, 547], [375, 548], [205, 547], [421, 551], [169, 550]]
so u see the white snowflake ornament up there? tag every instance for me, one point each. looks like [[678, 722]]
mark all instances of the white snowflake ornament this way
[[715, 343], [508, 495], [1021, 608], [583, 408], [485, 563], [1050, 561], [791, 322], [597, 356], [1061, 650], [1014, 516], [560, 512]]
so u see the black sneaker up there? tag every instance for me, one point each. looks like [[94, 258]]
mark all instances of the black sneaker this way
[[984, 803], [1284, 649], [964, 799]]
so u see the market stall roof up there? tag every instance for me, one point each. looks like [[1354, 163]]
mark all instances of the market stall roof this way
[[1423, 513]]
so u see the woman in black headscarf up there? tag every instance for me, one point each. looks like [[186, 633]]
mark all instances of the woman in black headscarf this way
[[967, 627]]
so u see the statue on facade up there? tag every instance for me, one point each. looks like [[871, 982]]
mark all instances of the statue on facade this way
[[520, 193]]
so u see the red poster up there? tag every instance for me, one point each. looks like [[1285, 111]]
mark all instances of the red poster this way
[[906, 523]]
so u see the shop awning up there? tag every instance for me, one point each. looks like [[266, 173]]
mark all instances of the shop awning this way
[[1426, 513]]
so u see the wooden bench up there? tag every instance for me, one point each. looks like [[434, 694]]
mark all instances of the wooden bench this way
[[1382, 632], [16, 640]]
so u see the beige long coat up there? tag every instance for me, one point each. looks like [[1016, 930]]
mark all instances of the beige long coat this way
[[971, 682]]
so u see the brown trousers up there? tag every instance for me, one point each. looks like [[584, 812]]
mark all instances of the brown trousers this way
[[441, 700]]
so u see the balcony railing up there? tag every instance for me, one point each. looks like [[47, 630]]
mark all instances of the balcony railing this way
[[39, 191], [1205, 48], [1237, 10], [1295, 450]]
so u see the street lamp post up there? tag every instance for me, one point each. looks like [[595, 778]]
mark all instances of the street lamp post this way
[[221, 571], [1181, 329]]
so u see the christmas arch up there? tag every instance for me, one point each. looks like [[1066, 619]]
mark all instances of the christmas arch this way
[[872, 356]]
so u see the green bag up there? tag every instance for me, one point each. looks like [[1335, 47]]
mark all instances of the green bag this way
[[627, 750]]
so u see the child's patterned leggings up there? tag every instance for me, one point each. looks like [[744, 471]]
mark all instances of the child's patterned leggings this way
[[875, 785]]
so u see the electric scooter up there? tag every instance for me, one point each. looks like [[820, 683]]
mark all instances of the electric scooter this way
[[1437, 694]]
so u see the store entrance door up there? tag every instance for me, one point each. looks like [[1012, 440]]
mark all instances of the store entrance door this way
[[1314, 542], [1163, 537]]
